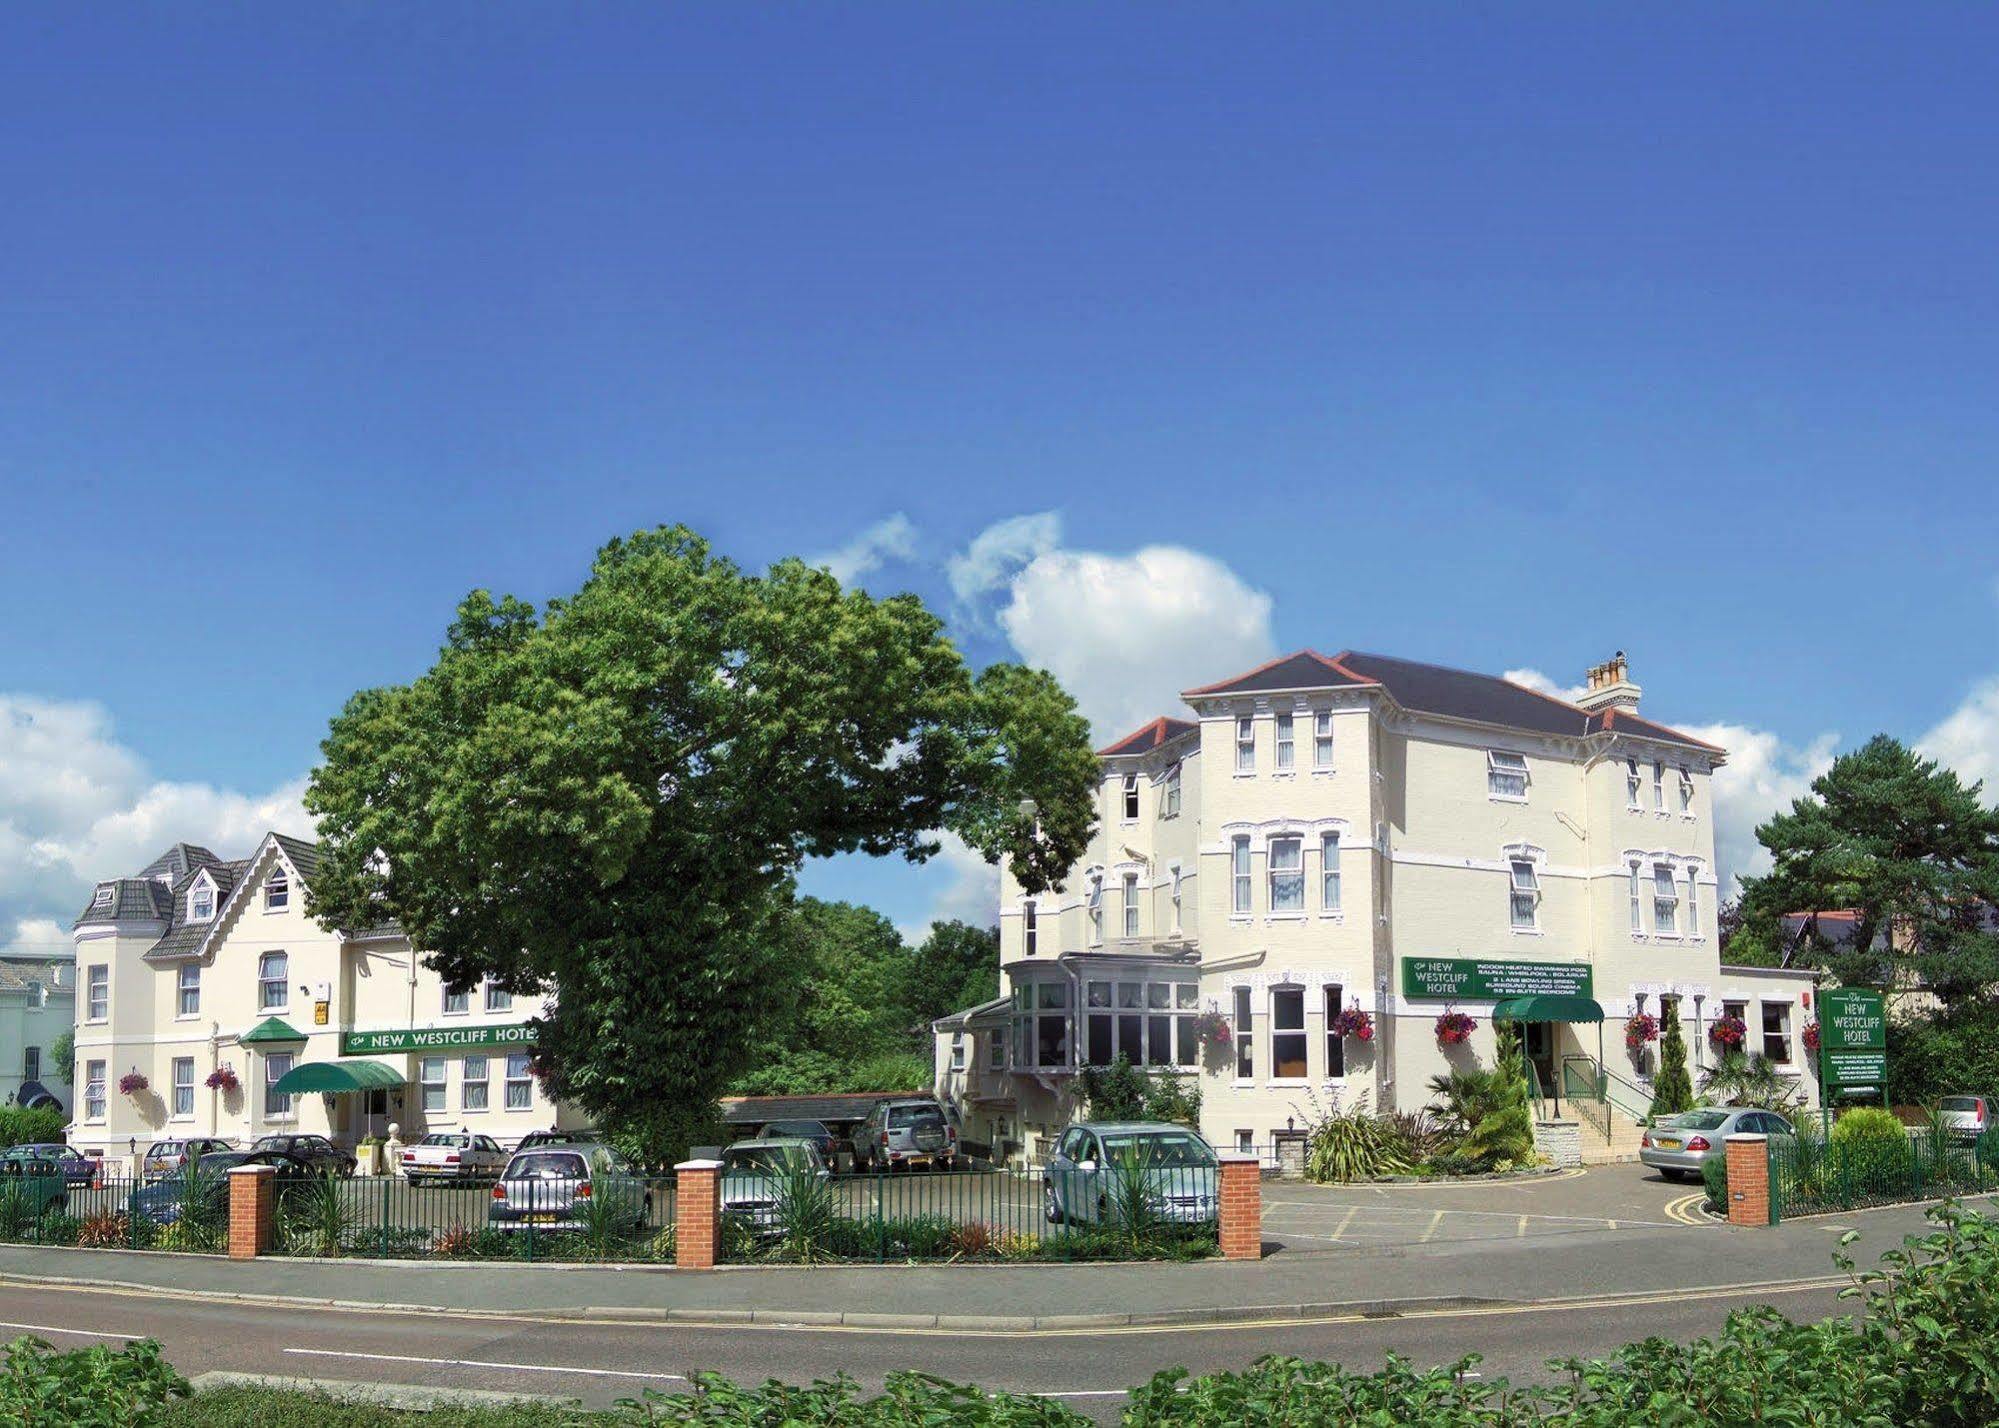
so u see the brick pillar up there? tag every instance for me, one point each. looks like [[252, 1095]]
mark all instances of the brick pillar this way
[[697, 1213], [1748, 1180], [1242, 1205], [253, 1197]]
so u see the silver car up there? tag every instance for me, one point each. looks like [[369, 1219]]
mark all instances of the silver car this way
[[900, 1135], [1966, 1117], [1680, 1145], [453, 1155], [547, 1187], [1086, 1181], [753, 1179]]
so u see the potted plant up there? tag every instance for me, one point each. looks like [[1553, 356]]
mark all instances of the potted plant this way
[[1211, 1028], [1454, 1028], [222, 1078], [1641, 1031], [1728, 1032], [1355, 1023], [132, 1083]]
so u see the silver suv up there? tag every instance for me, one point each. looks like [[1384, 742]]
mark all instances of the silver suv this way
[[906, 1133]]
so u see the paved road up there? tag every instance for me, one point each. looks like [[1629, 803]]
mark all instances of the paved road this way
[[602, 1362]]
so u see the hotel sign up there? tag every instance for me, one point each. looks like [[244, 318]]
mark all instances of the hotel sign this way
[[437, 1038], [1475, 979], [1853, 1039]]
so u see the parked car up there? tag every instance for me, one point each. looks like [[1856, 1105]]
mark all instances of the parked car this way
[[902, 1134], [545, 1185], [37, 1186], [534, 1139], [164, 1157], [453, 1155], [1680, 1145], [833, 1149], [1082, 1182], [1966, 1117], [753, 1175], [315, 1150], [166, 1200], [76, 1167]]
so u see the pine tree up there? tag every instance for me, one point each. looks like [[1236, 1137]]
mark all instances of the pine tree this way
[[1673, 1087], [1506, 1130]]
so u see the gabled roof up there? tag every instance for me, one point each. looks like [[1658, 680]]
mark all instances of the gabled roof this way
[[184, 937], [1449, 693], [145, 898], [177, 862], [1160, 731]]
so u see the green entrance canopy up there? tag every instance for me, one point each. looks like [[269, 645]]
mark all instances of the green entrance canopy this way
[[1547, 1008], [272, 1028], [338, 1076]]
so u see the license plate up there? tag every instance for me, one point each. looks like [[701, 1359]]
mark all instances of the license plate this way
[[1670, 1144], [540, 1217]]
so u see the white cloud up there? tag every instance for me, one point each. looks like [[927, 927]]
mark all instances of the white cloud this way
[[1126, 633], [967, 888], [1540, 683], [1763, 775], [1000, 552], [892, 538], [76, 806], [1968, 739]]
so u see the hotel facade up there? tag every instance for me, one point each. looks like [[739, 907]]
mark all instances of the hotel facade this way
[[1394, 841]]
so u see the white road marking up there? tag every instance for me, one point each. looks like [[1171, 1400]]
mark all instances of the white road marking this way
[[80, 1333], [1086, 1393], [486, 1364], [1352, 1210], [1435, 1220]]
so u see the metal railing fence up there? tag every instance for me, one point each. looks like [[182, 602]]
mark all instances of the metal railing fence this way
[[1812, 1175]]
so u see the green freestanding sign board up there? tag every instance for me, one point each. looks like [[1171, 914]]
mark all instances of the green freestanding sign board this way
[[1853, 1040]]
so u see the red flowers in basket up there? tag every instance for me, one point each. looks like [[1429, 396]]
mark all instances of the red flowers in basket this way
[[1213, 1029], [1811, 1036], [132, 1082], [222, 1078], [1640, 1030], [1728, 1031], [1455, 1028], [1355, 1023]]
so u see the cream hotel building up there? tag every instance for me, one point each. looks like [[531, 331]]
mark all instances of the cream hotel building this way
[[1354, 832]]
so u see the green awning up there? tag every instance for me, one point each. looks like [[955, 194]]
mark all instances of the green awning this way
[[1547, 1008], [272, 1029], [338, 1076]]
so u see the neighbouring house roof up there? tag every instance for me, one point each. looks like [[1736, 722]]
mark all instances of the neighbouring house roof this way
[[26, 977], [1143, 741], [1449, 693], [756, 1110]]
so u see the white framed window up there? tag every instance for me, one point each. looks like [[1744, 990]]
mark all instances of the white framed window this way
[[1176, 876], [455, 1003], [97, 997], [957, 1051], [1245, 744], [1686, 790], [1322, 739], [1287, 753], [472, 1090], [1658, 786], [1693, 901], [1030, 927], [277, 1065], [1130, 882], [183, 1083], [1665, 900], [1336, 1045], [1170, 800], [274, 982], [188, 989], [1245, 1142], [1505, 774], [1637, 899], [201, 903], [1239, 866], [995, 1051], [1777, 1032], [104, 896], [520, 1082], [93, 1090], [1131, 798], [1287, 1034], [277, 891], [498, 998], [1634, 785], [1245, 1035], [1287, 874], [1329, 872], [1096, 908], [1525, 894], [431, 1077]]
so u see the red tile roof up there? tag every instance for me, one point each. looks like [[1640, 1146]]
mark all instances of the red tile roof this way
[[1143, 741]]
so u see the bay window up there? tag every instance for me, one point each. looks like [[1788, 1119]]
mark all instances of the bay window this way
[[1505, 774], [1051, 1024], [1287, 1033], [1147, 1017], [1287, 874], [1100, 1025]]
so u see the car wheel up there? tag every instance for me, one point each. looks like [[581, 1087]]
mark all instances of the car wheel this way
[[1051, 1203], [412, 1181], [1678, 1176]]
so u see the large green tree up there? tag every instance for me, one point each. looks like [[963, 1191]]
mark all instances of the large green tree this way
[[1909, 848], [610, 797], [955, 967]]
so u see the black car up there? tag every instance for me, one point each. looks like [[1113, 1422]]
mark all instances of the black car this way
[[315, 1150], [163, 1201], [836, 1151]]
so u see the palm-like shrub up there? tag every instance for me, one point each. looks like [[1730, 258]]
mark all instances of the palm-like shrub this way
[[805, 1212], [1131, 1197], [1744, 1080], [1350, 1144], [316, 1215], [1506, 1131]]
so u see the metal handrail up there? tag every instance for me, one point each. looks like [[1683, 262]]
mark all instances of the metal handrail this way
[[1634, 1102]]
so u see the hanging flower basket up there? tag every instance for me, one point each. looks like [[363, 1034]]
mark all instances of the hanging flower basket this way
[[1355, 1023], [222, 1078], [1641, 1030], [1213, 1029], [131, 1083], [1811, 1036], [1728, 1032], [1454, 1028]]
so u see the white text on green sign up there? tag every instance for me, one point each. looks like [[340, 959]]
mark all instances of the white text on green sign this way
[[1479, 979], [436, 1038]]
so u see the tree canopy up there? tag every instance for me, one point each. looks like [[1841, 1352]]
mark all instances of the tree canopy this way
[[1909, 849], [610, 798]]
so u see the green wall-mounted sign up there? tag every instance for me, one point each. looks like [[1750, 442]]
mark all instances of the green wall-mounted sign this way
[[516, 1035], [1478, 979]]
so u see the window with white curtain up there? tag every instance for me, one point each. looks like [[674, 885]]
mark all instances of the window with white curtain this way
[[1239, 863], [1245, 744], [1131, 904], [93, 1090], [1322, 739], [188, 988], [277, 1066], [1637, 915], [1329, 872], [274, 988], [1286, 749], [1287, 874], [520, 1082], [1096, 907], [1525, 894], [1665, 899], [1505, 774], [183, 1070]]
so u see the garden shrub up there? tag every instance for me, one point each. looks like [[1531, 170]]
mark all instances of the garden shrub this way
[[1714, 1178], [97, 1387], [41, 1126], [1347, 1143]]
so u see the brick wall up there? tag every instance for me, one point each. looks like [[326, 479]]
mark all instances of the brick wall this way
[[253, 1194], [1242, 1206], [1748, 1180], [697, 1216]]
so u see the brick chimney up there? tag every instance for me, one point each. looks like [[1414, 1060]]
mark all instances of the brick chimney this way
[[1610, 686]]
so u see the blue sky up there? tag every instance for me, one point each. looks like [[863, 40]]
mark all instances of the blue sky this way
[[1502, 336]]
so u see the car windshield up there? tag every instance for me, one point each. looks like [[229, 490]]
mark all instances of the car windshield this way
[[1960, 1103], [1700, 1120], [766, 1159], [913, 1115], [218, 1160], [803, 1128], [167, 1147], [548, 1165], [456, 1142], [1172, 1150]]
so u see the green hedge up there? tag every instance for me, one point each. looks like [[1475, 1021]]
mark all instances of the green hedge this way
[[20, 1126]]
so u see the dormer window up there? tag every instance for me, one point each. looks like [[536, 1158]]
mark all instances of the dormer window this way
[[103, 896], [277, 892], [201, 903], [1505, 774]]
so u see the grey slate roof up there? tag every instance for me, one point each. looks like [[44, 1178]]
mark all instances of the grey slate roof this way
[[133, 898], [184, 938], [755, 1110], [23, 977], [177, 862], [1451, 693], [304, 854]]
